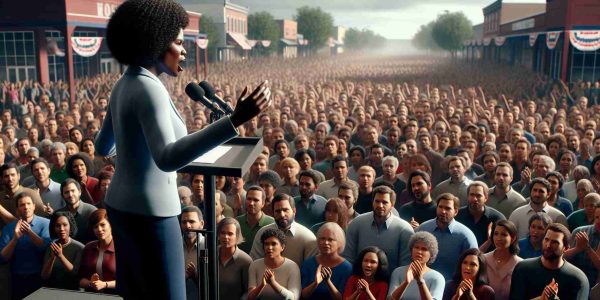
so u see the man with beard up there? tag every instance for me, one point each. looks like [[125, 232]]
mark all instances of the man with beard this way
[[301, 243], [12, 188], [191, 218], [502, 196], [457, 183], [81, 211], [422, 208], [540, 191], [254, 219], [550, 275], [452, 236], [380, 228], [478, 216], [310, 207], [582, 251]]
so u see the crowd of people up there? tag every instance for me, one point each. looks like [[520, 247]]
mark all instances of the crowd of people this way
[[375, 176]]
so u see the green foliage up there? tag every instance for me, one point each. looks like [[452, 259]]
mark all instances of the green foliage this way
[[315, 24], [451, 29], [262, 26], [423, 39], [208, 27], [363, 39]]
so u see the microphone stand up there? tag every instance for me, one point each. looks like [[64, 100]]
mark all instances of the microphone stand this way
[[201, 263]]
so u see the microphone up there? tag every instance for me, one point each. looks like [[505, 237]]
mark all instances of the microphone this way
[[211, 94], [194, 91]]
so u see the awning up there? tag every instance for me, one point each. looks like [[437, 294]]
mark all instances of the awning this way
[[289, 42], [240, 39]]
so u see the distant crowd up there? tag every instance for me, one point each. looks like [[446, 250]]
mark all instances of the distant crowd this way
[[380, 178]]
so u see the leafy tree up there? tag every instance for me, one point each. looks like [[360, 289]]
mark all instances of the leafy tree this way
[[208, 27], [315, 24], [450, 30], [363, 39], [262, 26], [423, 39]]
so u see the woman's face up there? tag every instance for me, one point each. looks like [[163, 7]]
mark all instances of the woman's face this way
[[328, 243], [331, 215], [79, 168], [174, 56], [102, 230], [227, 236], [273, 247], [76, 136], [502, 238], [88, 147], [420, 252], [470, 267], [370, 263], [565, 162], [305, 162], [62, 228], [536, 231]]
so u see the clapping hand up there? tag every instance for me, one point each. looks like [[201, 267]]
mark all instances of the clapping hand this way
[[413, 223], [190, 270], [48, 209], [269, 276], [465, 286], [56, 250], [550, 290]]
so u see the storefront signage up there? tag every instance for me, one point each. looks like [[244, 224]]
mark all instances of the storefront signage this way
[[105, 10], [525, 24]]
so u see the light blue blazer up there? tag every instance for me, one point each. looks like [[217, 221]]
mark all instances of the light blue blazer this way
[[151, 144]]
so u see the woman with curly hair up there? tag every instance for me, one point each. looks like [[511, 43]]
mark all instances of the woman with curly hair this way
[[152, 142], [370, 276]]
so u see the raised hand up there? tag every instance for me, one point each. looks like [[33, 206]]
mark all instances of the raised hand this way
[[249, 105], [48, 209], [413, 223]]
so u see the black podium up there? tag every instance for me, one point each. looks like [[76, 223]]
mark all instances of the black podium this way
[[235, 163]]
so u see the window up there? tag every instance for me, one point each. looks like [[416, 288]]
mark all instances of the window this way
[[82, 65], [584, 65], [17, 56], [56, 64]]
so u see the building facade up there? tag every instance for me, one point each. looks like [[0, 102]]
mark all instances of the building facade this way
[[560, 38], [63, 40]]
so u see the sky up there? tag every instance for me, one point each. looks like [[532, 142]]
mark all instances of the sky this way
[[393, 19]]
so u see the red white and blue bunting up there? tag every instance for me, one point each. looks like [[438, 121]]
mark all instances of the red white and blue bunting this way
[[86, 46], [533, 38], [499, 40], [202, 43], [585, 40], [552, 38], [487, 41]]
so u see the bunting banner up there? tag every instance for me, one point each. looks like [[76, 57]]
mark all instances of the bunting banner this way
[[487, 41], [202, 43], [266, 43], [499, 40], [86, 46], [467, 43], [479, 42], [533, 38], [585, 40], [552, 38], [252, 43]]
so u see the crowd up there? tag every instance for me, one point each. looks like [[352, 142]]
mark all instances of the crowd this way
[[375, 176]]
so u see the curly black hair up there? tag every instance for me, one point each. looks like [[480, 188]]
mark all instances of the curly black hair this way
[[140, 31], [86, 160], [70, 219], [278, 234]]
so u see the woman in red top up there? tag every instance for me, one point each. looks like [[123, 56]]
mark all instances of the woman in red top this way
[[369, 280], [78, 167], [99, 276]]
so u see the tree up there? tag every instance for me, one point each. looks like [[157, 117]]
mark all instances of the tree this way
[[262, 26], [423, 39], [208, 27], [315, 24], [362, 39], [451, 29]]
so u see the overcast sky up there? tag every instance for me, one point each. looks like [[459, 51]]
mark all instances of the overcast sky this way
[[394, 19]]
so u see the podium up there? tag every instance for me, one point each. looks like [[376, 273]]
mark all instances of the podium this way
[[234, 163]]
